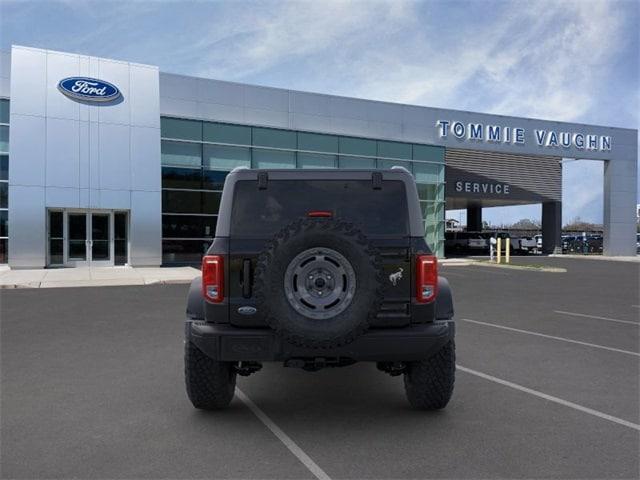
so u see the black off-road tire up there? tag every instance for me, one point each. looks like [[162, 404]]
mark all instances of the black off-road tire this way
[[343, 237], [429, 383], [210, 384]]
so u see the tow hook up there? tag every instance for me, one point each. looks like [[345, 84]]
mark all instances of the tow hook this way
[[244, 369]]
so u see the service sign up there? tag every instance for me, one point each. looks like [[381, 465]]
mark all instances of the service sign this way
[[88, 89]]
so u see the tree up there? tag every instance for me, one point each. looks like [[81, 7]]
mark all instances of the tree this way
[[525, 224], [579, 225]]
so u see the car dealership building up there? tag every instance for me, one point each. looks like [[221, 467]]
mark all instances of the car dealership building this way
[[107, 162]]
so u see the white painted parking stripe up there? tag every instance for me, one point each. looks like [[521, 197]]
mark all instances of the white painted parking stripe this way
[[283, 437], [551, 398], [596, 317], [586, 344]]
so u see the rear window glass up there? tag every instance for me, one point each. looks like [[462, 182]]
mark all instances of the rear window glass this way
[[258, 213]]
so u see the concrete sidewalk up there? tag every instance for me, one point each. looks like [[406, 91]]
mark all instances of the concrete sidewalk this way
[[95, 277]]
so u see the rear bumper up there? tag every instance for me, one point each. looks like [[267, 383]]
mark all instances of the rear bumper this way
[[228, 343]]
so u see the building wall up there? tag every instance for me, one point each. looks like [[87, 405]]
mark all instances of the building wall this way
[[220, 101], [71, 154]]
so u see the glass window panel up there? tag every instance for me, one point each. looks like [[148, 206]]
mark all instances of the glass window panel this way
[[432, 212], [120, 243], [184, 251], [273, 159], [55, 225], [428, 153], [173, 177], [4, 223], [181, 226], [4, 139], [394, 150], [428, 172], [4, 111], [120, 226], [358, 146], [316, 160], [4, 167], [209, 226], [4, 195], [77, 236], [271, 137], [211, 202], [317, 142], [431, 191], [226, 158], [213, 179], [357, 162], [185, 226], [77, 226], [180, 153], [394, 163], [225, 133], [4, 256], [177, 201], [77, 250], [100, 250], [178, 128], [56, 251]]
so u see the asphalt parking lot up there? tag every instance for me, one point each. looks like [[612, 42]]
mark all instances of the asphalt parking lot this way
[[547, 387]]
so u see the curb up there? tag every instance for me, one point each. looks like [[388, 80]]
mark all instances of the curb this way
[[520, 267], [98, 283]]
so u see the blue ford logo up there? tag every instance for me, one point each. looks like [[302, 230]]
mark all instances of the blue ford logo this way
[[89, 89]]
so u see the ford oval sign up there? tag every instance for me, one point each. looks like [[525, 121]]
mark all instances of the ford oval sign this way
[[89, 89]]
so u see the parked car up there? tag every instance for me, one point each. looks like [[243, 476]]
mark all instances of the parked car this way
[[457, 243]]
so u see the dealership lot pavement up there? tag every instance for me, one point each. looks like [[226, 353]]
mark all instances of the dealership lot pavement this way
[[92, 387]]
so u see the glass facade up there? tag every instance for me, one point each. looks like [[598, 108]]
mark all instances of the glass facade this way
[[4, 180], [197, 155]]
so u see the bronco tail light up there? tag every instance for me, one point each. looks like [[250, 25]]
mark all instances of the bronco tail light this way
[[213, 278], [426, 278]]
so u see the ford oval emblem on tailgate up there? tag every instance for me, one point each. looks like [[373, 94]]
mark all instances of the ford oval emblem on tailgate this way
[[247, 310]]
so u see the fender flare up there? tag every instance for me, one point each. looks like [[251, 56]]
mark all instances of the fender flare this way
[[444, 300], [195, 302]]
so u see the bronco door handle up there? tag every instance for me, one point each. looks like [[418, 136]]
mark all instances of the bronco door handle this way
[[246, 278]]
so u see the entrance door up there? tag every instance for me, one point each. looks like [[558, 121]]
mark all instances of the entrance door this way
[[77, 240], [87, 238], [100, 244]]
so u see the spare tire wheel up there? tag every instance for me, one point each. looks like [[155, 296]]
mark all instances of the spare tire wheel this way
[[319, 282]]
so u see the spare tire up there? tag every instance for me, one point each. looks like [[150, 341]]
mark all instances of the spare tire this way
[[319, 282]]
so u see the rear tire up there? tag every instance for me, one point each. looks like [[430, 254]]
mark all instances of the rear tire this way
[[210, 384], [429, 383]]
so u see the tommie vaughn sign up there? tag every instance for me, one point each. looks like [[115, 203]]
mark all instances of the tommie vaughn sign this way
[[478, 132], [88, 89]]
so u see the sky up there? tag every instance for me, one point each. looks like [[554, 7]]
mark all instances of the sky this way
[[558, 60]]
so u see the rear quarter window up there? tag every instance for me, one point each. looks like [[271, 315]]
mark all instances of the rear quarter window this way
[[258, 213]]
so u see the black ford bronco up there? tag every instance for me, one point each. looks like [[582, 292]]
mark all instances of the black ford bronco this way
[[315, 269]]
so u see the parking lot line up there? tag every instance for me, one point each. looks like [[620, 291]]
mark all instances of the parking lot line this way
[[596, 317], [551, 398], [529, 332], [283, 437]]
